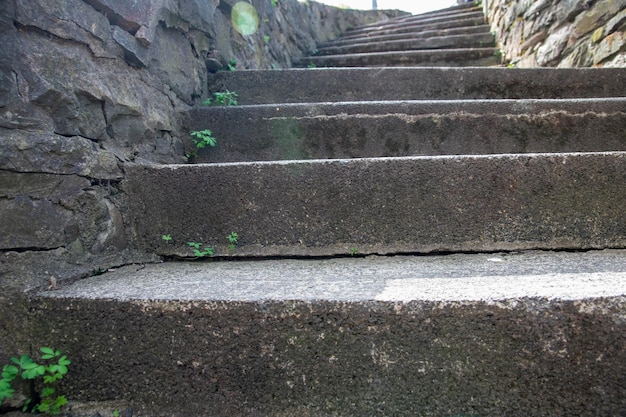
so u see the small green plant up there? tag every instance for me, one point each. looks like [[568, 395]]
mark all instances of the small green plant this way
[[266, 38], [226, 98], [116, 413], [202, 139], [232, 238], [53, 369], [167, 238], [200, 253], [311, 65], [232, 65], [274, 3], [353, 251]]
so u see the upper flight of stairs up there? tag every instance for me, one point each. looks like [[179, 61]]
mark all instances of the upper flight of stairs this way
[[413, 241], [457, 36]]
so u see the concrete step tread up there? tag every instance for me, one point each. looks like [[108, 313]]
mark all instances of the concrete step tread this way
[[434, 42], [411, 83], [416, 22], [366, 38], [450, 11], [466, 57], [418, 27], [422, 107], [445, 278]]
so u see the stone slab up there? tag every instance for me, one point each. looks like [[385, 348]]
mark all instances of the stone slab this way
[[363, 84], [386, 129], [536, 334], [382, 205]]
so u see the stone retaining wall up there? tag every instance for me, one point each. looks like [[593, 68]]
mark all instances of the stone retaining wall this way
[[87, 85], [560, 33]]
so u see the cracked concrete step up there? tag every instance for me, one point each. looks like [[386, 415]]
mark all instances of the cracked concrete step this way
[[376, 129], [402, 36], [382, 205], [434, 42], [366, 84], [522, 334], [463, 57]]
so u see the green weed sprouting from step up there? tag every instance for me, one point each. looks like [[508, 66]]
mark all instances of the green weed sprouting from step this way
[[232, 65], [53, 369], [167, 238], [223, 98], [266, 38], [354, 251], [232, 238], [201, 139], [274, 3], [198, 252]]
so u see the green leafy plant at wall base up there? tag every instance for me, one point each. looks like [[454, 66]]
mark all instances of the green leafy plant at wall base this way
[[202, 139], [199, 251], [49, 372]]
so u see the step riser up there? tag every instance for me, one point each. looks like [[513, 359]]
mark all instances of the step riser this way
[[434, 58], [510, 202], [327, 85], [266, 134], [521, 358], [457, 41], [439, 33]]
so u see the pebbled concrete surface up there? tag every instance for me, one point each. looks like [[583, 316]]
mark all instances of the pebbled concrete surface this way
[[455, 277], [382, 205]]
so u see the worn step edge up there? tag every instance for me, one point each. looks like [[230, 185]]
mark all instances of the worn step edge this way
[[256, 348], [413, 83], [420, 35], [327, 130], [437, 42], [382, 205]]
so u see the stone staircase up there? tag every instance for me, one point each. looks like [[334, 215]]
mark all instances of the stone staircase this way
[[457, 36], [412, 241]]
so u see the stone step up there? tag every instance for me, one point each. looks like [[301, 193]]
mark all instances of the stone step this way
[[402, 36], [417, 22], [363, 84], [416, 28], [519, 334], [466, 57], [384, 129], [381, 205], [485, 39], [448, 12]]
